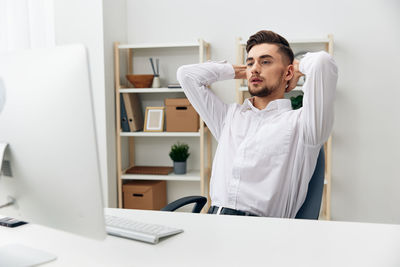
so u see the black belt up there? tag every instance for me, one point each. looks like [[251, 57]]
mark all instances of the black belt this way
[[228, 211]]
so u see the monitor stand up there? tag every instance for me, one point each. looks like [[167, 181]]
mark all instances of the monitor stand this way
[[20, 255], [3, 147]]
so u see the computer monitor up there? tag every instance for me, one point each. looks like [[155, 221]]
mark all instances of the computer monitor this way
[[48, 122]]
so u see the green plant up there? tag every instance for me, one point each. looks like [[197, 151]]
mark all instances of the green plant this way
[[297, 102], [179, 152]]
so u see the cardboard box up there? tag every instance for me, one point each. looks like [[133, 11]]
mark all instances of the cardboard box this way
[[181, 116], [145, 195]]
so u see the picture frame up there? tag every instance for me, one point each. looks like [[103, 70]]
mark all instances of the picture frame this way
[[154, 119]]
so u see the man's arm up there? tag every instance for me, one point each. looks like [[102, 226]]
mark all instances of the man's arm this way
[[240, 71], [194, 80], [319, 93]]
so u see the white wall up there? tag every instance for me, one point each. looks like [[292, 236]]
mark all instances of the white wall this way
[[366, 182], [82, 22], [114, 30]]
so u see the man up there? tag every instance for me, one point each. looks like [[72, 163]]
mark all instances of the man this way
[[266, 151]]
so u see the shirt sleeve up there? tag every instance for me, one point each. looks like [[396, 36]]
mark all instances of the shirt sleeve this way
[[319, 93], [194, 80]]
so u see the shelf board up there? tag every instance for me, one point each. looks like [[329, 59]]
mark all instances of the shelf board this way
[[161, 134], [193, 175], [301, 41], [245, 89], [150, 90], [309, 41], [160, 45]]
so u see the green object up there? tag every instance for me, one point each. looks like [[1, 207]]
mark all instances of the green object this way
[[179, 152], [297, 101]]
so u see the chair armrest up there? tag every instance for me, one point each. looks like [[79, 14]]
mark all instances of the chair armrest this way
[[199, 200]]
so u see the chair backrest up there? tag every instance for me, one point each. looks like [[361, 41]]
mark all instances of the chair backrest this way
[[311, 206]]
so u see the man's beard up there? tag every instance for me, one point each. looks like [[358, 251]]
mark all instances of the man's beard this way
[[266, 90]]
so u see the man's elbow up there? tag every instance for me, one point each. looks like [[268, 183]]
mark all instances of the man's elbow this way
[[325, 62], [181, 73], [186, 77]]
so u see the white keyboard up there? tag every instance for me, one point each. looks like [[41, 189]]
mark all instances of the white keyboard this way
[[131, 229]]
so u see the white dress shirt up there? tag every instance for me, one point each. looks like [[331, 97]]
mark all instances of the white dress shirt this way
[[265, 158]]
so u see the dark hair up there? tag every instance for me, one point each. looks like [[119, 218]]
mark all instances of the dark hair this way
[[269, 37]]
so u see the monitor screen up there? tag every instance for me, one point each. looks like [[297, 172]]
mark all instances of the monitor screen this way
[[50, 166]]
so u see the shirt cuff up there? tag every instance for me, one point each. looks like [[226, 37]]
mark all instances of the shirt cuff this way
[[302, 63], [225, 70], [229, 72]]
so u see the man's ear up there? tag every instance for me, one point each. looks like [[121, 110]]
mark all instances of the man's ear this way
[[289, 75], [289, 72]]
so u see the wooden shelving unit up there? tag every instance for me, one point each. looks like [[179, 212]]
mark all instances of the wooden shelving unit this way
[[202, 176], [298, 45], [151, 90], [189, 176], [162, 134]]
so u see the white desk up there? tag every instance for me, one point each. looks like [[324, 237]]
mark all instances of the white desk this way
[[211, 240]]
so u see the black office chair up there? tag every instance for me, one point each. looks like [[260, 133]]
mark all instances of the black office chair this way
[[199, 200], [312, 204], [309, 210]]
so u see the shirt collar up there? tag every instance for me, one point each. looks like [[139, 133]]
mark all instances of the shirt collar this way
[[277, 104]]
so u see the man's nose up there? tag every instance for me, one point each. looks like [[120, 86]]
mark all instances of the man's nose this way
[[255, 68]]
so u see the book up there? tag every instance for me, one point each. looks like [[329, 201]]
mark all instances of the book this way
[[155, 170], [175, 85], [133, 111], [124, 117]]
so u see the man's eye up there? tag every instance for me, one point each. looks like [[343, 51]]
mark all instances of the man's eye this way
[[249, 64], [266, 62]]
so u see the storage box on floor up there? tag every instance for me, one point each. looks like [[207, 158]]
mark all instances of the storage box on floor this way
[[145, 195], [181, 116]]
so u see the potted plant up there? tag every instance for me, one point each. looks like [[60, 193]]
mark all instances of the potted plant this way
[[297, 102], [179, 154]]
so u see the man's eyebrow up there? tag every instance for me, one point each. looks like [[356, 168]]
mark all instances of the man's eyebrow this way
[[266, 56], [261, 57]]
